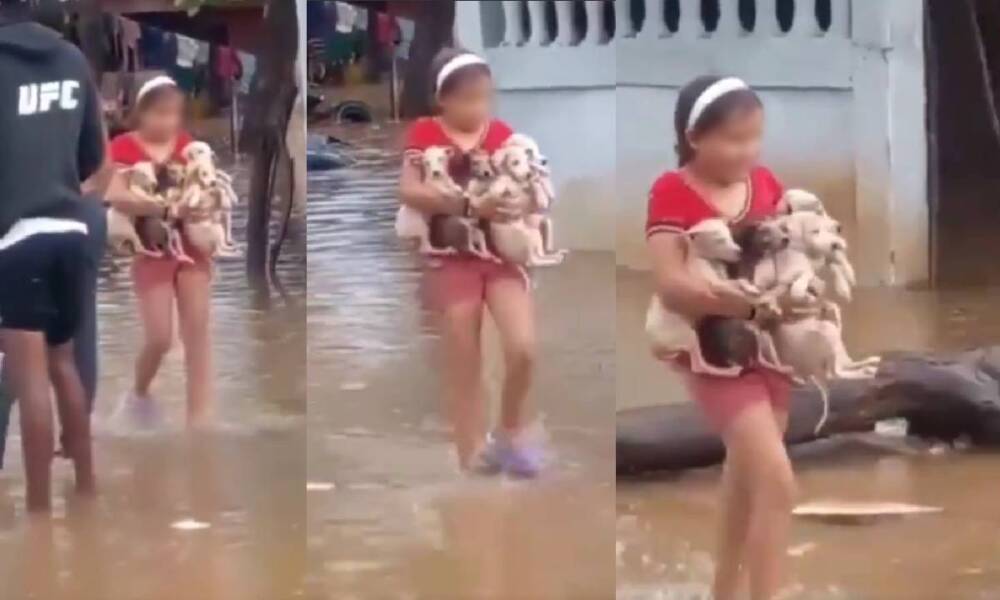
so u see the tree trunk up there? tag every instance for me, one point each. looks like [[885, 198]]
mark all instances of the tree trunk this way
[[263, 137], [434, 29], [940, 397]]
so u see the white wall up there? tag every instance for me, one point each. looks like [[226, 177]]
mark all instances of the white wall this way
[[576, 130]]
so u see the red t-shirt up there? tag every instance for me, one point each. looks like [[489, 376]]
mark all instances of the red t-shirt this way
[[126, 150], [674, 207], [427, 132]]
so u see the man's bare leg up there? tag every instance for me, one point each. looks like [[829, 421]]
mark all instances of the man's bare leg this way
[[71, 399], [25, 355]]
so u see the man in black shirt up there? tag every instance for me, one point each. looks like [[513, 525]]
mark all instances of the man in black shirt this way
[[52, 140]]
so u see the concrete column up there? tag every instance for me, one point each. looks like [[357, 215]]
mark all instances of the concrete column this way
[[729, 19], [890, 142], [767, 19], [623, 20], [469, 26], [539, 32], [595, 23], [690, 25], [654, 26], [513, 32], [804, 23]]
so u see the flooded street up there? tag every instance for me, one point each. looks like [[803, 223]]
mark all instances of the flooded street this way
[[665, 525], [243, 480], [390, 516]]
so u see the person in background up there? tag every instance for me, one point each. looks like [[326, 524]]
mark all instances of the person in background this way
[[44, 255]]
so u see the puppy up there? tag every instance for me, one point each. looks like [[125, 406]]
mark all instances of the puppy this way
[[141, 235], [794, 200], [541, 188], [711, 249], [518, 241], [462, 234]]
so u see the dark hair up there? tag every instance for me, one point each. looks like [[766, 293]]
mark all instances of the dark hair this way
[[712, 117], [457, 78], [148, 100]]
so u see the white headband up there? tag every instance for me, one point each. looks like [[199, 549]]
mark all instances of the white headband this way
[[715, 91], [156, 82], [462, 60]]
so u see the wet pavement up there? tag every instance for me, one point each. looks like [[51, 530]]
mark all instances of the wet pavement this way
[[389, 515], [665, 526], [244, 479]]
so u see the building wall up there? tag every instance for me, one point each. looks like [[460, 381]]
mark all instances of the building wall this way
[[844, 95]]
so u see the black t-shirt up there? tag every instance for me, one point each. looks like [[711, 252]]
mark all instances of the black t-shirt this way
[[51, 133]]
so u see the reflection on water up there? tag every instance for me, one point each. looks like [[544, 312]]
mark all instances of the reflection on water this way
[[245, 480], [400, 522], [666, 526]]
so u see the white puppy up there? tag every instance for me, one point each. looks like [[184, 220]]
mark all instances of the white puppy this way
[[412, 224], [519, 241], [710, 248], [795, 200]]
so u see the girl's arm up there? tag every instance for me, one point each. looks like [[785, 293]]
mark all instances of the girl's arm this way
[[684, 292], [134, 205], [413, 192]]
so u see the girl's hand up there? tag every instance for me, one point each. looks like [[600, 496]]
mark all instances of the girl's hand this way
[[732, 302], [493, 208]]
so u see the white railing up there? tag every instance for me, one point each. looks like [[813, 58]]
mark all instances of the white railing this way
[[585, 22], [685, 18], [559, 22]]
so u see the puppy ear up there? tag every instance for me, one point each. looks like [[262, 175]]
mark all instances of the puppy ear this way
[[449, 151]]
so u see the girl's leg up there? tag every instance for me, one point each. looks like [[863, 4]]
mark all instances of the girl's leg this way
[[194, 302], [26, 365], [461, 325], [155, 295], [730, 574], [755, 449], [512, 308]]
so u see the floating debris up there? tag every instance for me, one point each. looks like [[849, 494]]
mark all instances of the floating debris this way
[[354, 386], [800, 550], [320, 486], [189, 525], [848, 512]]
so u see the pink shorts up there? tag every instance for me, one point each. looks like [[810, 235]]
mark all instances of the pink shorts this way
[[149, 272], [453, 280], [723, 398]]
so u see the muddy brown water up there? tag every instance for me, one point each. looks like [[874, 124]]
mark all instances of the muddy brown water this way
[[400, 522], [665, 526], [245, 478]]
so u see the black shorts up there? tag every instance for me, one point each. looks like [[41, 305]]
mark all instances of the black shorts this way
[[43, 274]]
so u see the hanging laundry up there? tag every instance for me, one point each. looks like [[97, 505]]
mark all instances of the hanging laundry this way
[[249, 67], [347, 17], [184, 66]]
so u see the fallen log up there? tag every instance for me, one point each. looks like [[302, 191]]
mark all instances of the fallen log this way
[[941, 398]]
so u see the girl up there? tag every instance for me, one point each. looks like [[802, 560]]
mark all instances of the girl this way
[[460, 287], [158, 137], [719, 124]]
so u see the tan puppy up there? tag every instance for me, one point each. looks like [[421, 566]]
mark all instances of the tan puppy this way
[[464, 233], [123, 230], [710, 249], [519, 241]]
